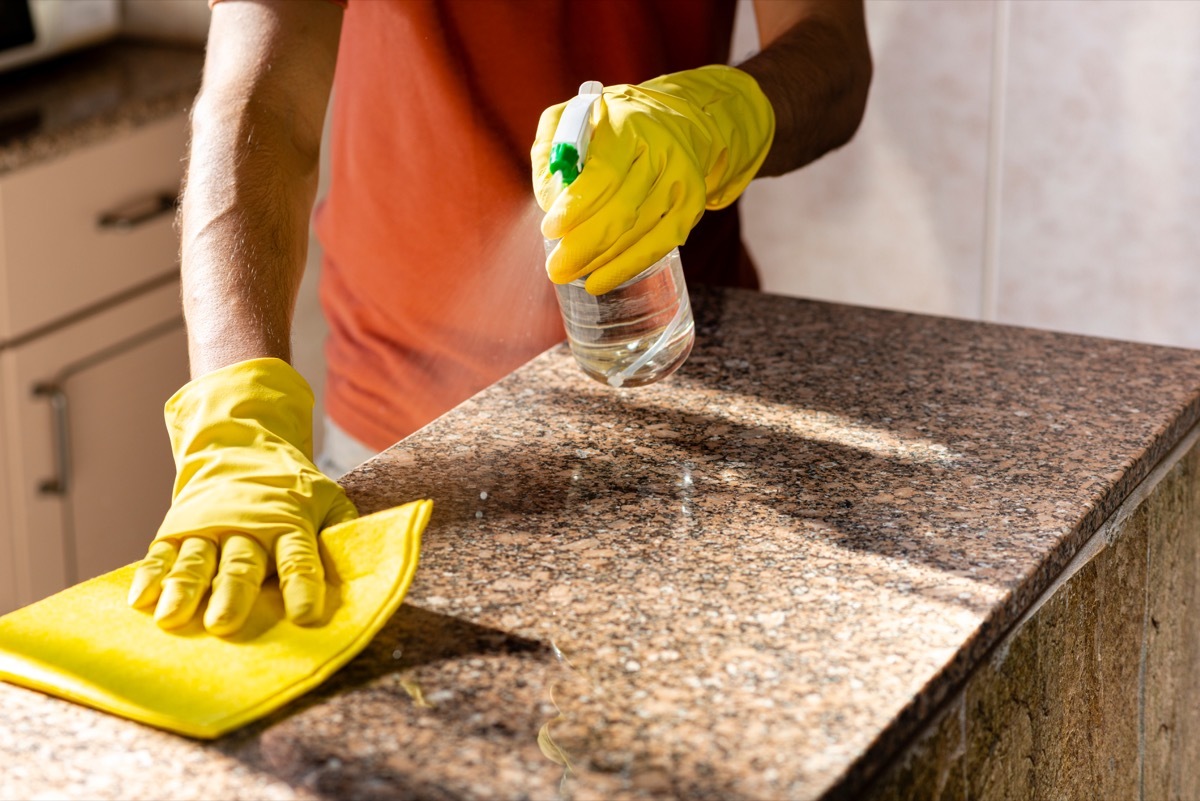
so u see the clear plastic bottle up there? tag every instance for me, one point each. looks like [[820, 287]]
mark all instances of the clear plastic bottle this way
[[636, 334], [642, 331]]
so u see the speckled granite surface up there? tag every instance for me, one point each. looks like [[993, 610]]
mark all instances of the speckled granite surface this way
[[50, 108], [754, 580]]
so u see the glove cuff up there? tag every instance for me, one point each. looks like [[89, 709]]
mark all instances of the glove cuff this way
[[251, 401], [242, 440], [740, 120]]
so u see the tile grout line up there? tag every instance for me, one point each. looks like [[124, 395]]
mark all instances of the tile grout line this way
[[990, 279]]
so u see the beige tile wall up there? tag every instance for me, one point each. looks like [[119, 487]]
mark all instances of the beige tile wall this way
[[1099, 228], [896, 219], [1037, 163]]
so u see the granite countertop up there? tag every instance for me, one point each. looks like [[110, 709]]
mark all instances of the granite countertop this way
[[50, 108], [753, 580]]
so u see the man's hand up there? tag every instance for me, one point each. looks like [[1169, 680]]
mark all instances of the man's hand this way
[[665, 150], [661, 153], [247, 501]]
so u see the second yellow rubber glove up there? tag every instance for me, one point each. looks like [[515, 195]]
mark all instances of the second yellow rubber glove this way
[[247, 500], [661, 153]]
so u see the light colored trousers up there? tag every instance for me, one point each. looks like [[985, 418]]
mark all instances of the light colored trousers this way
[[342, 452]]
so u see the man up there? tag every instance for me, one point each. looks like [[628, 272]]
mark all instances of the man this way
[[429, 227]]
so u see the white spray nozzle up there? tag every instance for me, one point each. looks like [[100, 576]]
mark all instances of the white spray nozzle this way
[[574, 132]]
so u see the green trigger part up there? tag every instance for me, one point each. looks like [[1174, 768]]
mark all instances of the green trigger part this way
[[564, 160]]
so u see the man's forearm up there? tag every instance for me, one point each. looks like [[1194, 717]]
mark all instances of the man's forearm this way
[[244, 236], [816, 75], [252, 176]]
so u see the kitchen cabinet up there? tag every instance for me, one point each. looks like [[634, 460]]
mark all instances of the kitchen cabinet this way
[[91, 345], [7, 575], [89, 227]]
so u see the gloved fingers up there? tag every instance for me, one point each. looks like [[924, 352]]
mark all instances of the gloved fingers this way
[[186, 583], [239, 579], [147, 580], [615, 224], [611, 156], [341, 511], [671, 210], [301, 577], [593, 191], [671, 231], [546, 185]]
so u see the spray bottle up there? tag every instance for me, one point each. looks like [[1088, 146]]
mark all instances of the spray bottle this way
[[642, 330]]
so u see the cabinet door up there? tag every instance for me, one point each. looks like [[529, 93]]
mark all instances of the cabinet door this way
[[92, 470], [8, 589], [120, 458]]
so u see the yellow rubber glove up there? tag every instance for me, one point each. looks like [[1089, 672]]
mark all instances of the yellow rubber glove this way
[[245, 488], [661, 153]]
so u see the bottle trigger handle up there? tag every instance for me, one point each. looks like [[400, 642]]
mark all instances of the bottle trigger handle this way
[[569, 146]]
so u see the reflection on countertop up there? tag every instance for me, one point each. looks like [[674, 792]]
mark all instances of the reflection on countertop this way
[[754, 580], [50, 108]]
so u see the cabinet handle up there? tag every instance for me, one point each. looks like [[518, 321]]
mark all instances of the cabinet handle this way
[[58, 405], [138, 212]]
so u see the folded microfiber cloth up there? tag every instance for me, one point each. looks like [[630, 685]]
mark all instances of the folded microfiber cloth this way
[[87, 645]]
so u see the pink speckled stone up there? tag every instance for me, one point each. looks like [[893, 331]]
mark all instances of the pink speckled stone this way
[[756, 579]]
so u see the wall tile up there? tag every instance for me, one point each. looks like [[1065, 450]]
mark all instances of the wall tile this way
[[1100, 214], [896, 218]]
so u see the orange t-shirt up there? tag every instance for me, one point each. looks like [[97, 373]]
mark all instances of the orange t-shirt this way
[[434, 280]]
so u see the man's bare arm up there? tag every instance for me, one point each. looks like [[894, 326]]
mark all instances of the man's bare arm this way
[[252, 175], [815, 68]]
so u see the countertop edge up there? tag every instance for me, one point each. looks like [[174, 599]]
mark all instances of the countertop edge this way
[[1167, 448]]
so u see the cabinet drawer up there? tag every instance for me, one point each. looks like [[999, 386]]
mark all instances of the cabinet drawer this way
[[89, 226]]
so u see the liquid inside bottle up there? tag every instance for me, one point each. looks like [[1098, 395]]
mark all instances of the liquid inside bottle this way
[[636, 334]]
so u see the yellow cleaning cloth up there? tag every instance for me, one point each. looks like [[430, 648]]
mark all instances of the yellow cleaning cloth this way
[[87, 645]]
